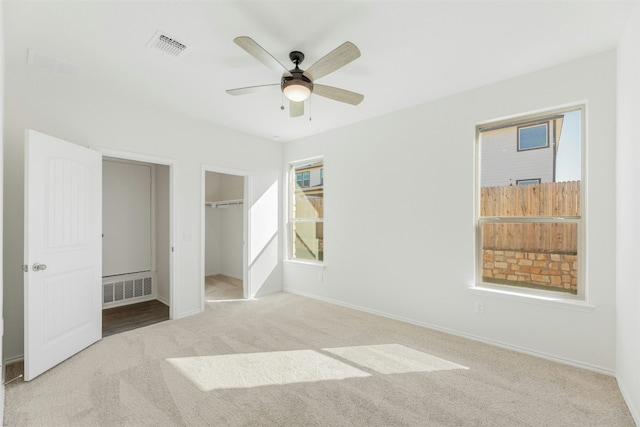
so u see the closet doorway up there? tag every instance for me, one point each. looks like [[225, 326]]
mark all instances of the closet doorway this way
[[224, 231], [136, 251]]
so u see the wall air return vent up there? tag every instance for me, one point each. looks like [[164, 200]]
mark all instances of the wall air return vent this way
[[126, 289], [166, 44]]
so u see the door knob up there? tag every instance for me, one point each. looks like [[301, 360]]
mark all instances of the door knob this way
[[39, 267]]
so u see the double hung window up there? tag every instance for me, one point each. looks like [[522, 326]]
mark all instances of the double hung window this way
[[306, 211], [530, 231]]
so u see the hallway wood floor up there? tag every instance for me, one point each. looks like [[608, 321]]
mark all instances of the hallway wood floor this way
[[133, 316], [125, 318]]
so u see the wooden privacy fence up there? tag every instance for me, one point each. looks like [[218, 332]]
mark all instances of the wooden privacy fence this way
[[309, 206], [559, 199], [557, 238], [548, 199]]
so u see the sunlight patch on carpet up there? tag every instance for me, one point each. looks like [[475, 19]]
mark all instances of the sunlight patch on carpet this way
[[260, 369], [393, 359]]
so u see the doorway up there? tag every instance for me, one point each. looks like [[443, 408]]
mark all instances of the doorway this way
[[224, 230], [136, 255], [63, 246]]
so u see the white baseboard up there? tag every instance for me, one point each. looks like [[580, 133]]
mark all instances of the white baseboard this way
[[631, 404], [269, 292], [233, 276], [13, 359], [163, 300], [500, 344], [187, 314]]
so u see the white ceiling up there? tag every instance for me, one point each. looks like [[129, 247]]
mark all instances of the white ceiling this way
[[412, 51]]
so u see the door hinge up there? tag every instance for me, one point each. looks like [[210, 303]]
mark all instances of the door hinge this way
[[25, 268]]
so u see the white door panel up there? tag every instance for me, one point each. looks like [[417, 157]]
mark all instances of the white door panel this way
[[63, 197]]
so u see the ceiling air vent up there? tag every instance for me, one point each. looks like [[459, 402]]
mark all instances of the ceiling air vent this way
[[40, 60], [166, 44]]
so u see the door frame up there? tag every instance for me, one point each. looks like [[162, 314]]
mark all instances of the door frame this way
[[173, 169], [246, 294]]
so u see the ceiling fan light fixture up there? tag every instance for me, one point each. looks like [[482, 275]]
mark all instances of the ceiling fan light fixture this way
[[297, 85], [296, 90]]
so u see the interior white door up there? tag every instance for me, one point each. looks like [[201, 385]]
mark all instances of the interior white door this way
[[63, 250]]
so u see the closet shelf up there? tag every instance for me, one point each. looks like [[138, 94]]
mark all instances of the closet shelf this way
[[223, 203]]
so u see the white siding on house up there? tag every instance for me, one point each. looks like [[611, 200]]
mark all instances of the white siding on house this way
[[502, 164], [315, 178]]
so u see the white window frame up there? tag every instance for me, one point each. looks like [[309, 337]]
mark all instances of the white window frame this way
[[581, 296], [291, 220]]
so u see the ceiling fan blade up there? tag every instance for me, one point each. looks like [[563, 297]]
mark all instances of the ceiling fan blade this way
[[258, 52], [338, 94], [296, 109], [337, 58], [252, 89]]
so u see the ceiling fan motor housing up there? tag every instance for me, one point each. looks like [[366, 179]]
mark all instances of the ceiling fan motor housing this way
[[296, 78]]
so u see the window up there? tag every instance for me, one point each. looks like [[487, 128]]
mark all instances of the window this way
[[529, 235], [306, 211], [527, 181], [532, 137], [302, 179]]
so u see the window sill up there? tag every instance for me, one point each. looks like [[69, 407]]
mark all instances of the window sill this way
[[546, 300], [310, 264]]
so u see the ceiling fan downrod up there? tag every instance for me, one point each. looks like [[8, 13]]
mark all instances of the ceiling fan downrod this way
[[296, 87]]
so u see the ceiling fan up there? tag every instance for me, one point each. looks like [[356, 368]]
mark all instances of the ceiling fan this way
[[296, 84]]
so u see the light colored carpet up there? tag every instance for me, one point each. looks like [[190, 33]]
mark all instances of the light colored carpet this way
[[285, 360]]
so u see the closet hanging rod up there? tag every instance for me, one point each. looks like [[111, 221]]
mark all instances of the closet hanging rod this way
[[224, 203]]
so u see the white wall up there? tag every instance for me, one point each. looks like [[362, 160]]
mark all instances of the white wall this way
[[212, 247], [231, 241], [628, 211], [223, 186], [231, 187], [62, 107], [126, 218], [403, 245]]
